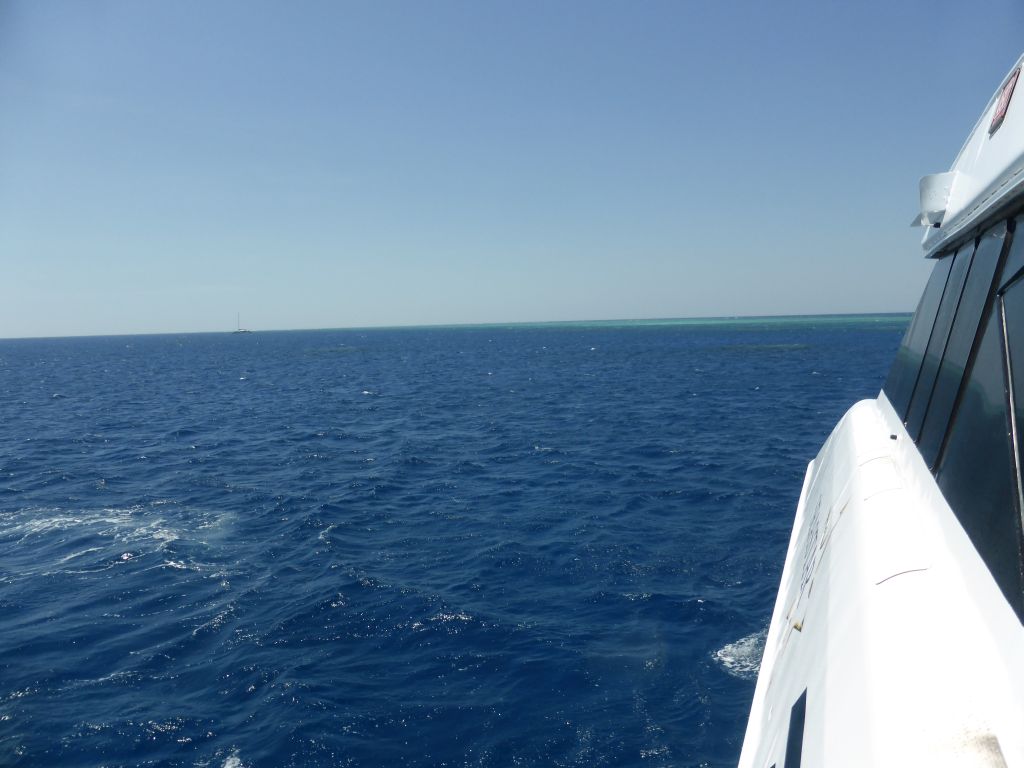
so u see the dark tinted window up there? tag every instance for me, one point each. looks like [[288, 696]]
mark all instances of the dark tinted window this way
[[795, 737], [976, 471], [975, 297], [903, 375], [1012, 305], [1014, 258], [937, 343]]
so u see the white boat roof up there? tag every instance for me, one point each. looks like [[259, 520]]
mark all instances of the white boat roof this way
[[987, 174]]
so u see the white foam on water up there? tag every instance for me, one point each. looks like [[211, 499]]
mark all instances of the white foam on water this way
[[742, 658], [214, 624], [19, 694], [633, 596], [125, 533], [73, 555], [126, 524], [447, 617]]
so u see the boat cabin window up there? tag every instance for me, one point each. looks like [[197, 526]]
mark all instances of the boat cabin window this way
[[903, 375], [976, 471], [975, 411], [958, 385], [976, 296], [937, 342], [1012, 310]]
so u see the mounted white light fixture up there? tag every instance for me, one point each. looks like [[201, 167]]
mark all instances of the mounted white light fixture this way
[[935, 190]]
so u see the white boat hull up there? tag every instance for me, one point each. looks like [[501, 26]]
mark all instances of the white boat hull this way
[[888, 619]]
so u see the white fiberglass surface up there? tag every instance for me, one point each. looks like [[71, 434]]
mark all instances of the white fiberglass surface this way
[[887, 618]]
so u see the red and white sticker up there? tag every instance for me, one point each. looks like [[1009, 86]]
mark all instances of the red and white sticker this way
[[1004, 101]]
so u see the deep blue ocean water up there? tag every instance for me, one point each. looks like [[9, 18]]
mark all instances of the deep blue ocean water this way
[[476, 546]]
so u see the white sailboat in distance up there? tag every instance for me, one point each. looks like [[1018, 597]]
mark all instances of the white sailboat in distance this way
[[238, 325]]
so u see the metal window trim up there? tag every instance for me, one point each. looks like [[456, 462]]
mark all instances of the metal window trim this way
[[1004, 340]]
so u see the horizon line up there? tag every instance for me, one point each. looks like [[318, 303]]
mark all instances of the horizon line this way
[[517, 323]]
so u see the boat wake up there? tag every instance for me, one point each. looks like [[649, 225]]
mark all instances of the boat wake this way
[[742, 658]]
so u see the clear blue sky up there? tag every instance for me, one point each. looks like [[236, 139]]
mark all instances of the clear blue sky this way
[[166, 164]]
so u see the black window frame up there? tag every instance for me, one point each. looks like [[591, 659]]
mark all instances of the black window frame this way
[[1011, 257], [1016, 438], [973, 305]]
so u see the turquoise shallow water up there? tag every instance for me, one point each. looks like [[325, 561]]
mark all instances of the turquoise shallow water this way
[[517, 545]]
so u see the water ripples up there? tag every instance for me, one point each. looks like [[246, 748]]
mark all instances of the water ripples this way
[[527, 546]]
